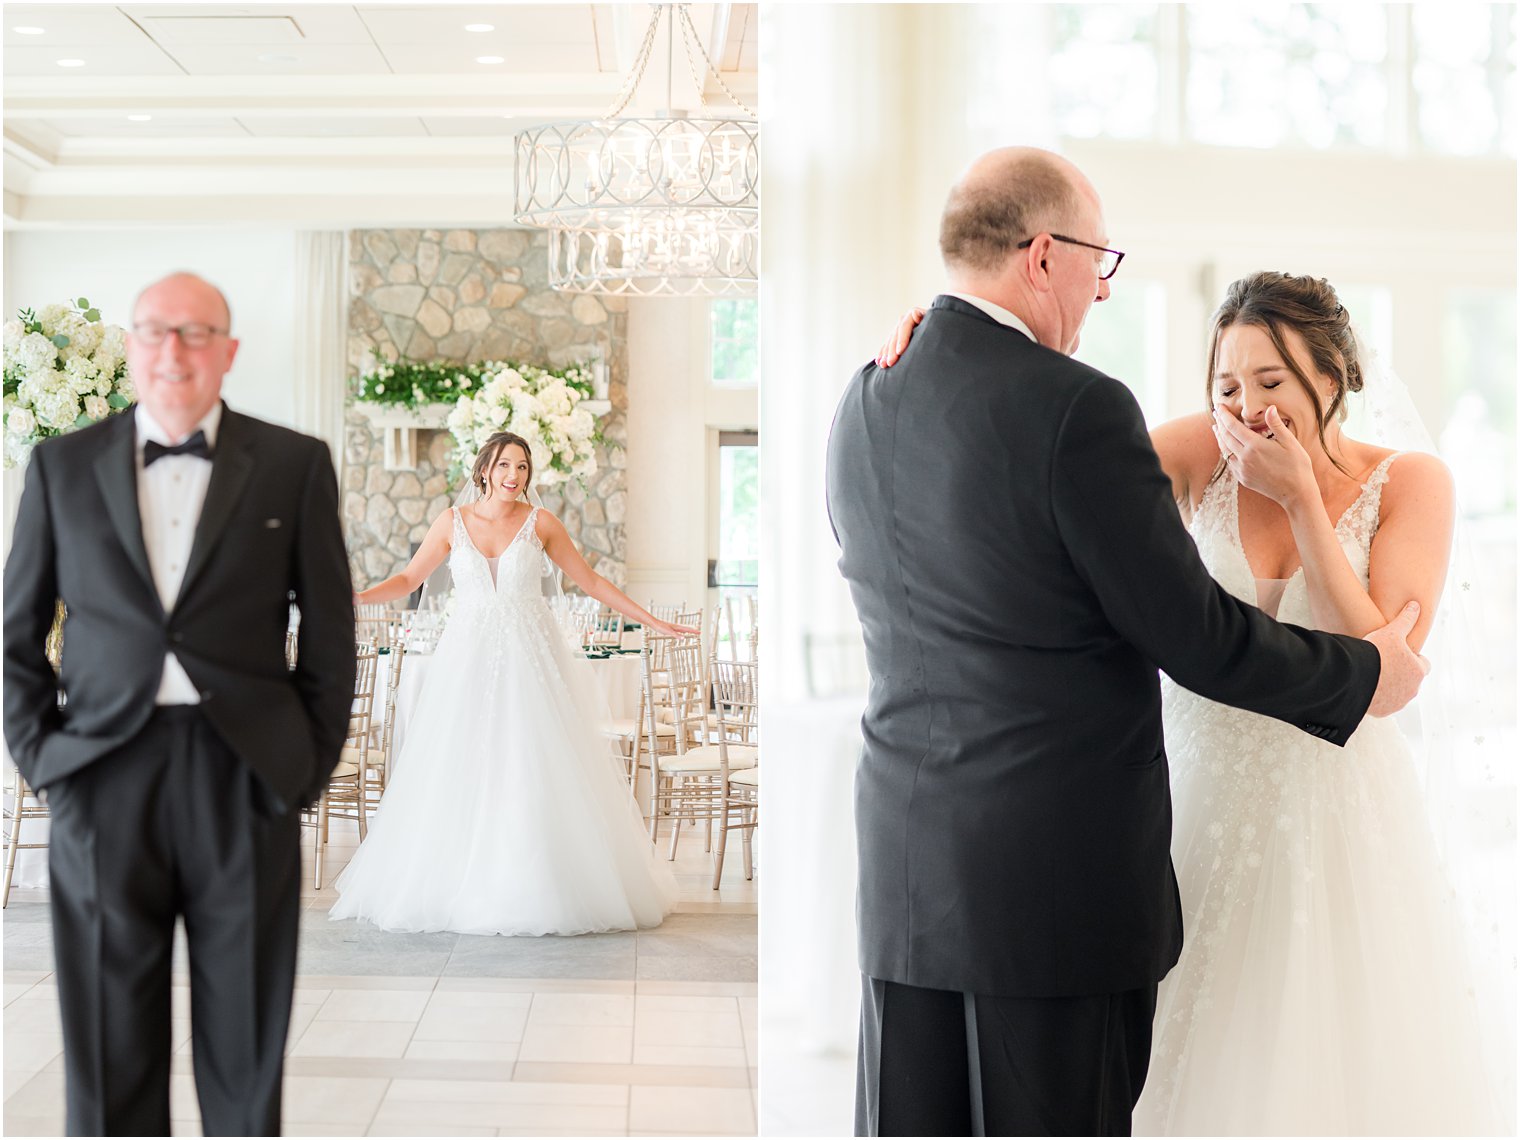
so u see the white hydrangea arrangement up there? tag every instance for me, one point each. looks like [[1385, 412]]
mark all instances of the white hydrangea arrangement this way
[[64, 369], [539, 405]]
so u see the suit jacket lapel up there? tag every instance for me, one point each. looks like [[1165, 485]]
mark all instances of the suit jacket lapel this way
[[231, 468], [116, 472]]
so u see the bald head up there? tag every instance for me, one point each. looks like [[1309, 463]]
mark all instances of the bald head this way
[[179, 350], [1005, 196], [187, 288]]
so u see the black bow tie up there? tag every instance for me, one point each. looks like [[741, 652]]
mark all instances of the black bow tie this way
[[196, 445]]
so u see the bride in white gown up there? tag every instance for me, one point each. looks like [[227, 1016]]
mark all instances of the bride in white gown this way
[[506, 813], [1323, 986]]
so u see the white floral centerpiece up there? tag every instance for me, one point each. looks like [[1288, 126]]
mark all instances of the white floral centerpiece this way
[[64, 369], [537, 404]]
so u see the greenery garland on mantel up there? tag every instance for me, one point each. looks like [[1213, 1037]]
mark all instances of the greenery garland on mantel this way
[[414, 384], [547, 407]]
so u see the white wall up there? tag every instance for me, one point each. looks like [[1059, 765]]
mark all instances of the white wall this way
[[254, 267], [674, 416]]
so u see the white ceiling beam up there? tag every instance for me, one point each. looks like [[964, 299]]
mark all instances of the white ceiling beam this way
[[355, 94], [254, 149], [465, 209], [28, 151]]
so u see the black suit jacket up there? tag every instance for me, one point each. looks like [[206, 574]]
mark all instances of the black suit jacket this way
[[268, 534], [1021, 571]]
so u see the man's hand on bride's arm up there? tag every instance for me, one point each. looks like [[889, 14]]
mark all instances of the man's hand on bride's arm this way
[[897, 343], [1402, 668]]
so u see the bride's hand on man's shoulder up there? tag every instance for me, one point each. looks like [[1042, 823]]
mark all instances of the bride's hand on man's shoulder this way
[[897, 343]]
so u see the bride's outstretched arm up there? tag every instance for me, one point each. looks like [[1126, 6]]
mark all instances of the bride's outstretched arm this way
[[1409, 553], [432, 552], [559, 547]]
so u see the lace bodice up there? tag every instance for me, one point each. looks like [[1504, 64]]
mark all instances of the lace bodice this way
[[1216, 530], [517, 571]]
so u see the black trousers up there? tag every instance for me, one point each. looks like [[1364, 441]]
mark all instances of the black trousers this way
[[172, 825], [944, 1063]]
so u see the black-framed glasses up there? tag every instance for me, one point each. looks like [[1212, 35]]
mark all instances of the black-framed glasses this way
[[1106, 268], [191, 335]]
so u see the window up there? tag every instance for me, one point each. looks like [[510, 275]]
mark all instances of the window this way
[[1478, 438], [1317, 76], [736, 343], [1464, 76], [1267, 75], [1371, 309], [1103, 80], [1125, 336], [738, 562]]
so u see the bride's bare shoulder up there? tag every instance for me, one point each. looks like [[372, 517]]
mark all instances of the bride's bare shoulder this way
[[1416, 477], [1189, 453], [546, 522]]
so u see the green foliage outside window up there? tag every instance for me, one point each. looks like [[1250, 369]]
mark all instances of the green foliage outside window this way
[[736, 343]]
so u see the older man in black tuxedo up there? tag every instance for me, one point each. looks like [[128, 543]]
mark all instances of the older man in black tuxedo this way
[[1021, 572], [175, 747]]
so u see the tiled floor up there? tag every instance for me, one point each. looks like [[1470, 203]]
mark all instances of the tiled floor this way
[[640, 1033]]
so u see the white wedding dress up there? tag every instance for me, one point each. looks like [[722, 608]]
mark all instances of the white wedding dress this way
[[1323, 987], [506, 813]]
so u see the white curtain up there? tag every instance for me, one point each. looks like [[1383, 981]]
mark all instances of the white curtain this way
[[868, 113], [320, 323]]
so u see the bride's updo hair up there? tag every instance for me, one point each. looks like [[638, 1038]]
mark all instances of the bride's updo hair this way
[[1308, 305], [480, 474]]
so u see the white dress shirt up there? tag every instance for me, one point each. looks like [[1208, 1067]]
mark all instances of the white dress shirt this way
[[1001, 315], [169, 499]]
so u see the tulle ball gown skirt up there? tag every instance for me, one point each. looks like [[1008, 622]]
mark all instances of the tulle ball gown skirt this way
[[506, 814], [1324, 988]]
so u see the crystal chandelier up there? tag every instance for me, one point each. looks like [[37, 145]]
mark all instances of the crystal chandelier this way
[[665, 206]]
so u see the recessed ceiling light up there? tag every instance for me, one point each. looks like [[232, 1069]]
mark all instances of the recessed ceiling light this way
[[139, 118], [467, 27], [71, 63], [29, 31], [489, 59], [276, 57]]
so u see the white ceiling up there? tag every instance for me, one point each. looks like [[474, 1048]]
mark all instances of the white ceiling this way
[[320, 114]]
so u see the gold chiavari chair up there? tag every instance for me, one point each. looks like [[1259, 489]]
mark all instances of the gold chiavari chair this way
[[385, 630], [688, 786], [736, 702], [22, 805], [343, 796], [373, 758], [606, 630], [649, 726]]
